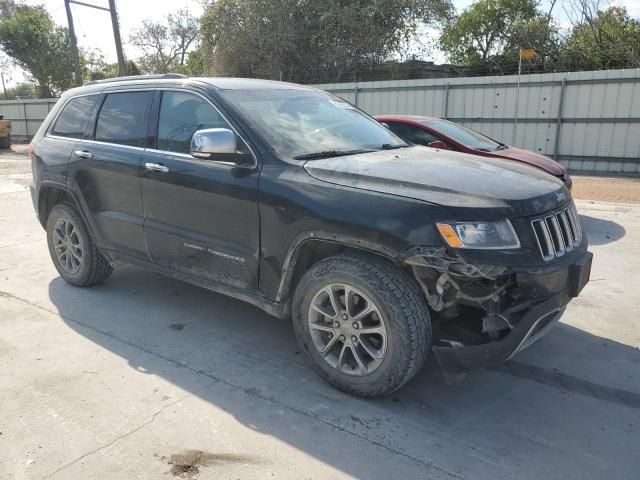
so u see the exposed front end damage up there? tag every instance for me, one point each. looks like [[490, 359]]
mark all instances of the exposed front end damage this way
[[484, 314]]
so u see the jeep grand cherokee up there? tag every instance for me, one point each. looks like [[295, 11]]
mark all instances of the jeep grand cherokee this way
[[292, 199]]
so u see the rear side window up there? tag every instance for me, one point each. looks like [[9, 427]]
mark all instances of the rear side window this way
[[410, 133], [72, 121], [123, 118], [181, 115]]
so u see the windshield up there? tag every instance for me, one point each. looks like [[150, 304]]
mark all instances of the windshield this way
[[307, 123], [464, 135]]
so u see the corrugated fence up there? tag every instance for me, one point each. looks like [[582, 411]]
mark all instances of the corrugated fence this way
[[589, 121], [26, 115]]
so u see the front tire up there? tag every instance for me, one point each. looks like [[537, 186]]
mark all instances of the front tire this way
[[73, 251], [363, 323]]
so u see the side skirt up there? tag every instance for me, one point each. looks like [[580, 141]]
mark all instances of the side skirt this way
[[254, 298]]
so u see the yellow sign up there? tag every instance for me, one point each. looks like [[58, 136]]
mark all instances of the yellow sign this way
[[527, 53]]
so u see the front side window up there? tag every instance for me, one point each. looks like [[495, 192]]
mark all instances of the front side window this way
[[72, 121], [123, 118], [181, 115], [465, 136], [299, 123], [412, 134]]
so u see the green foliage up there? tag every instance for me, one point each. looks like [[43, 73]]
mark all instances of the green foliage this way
[[309, 40], [22, 90], [486, 28], [111, 70], [36, 44], [610, 39], [489, 34], [166, 45]]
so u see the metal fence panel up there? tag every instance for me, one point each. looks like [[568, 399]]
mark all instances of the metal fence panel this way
[[589, 121], [26, 115]]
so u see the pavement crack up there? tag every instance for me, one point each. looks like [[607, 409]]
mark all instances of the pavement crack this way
[[119, 437]]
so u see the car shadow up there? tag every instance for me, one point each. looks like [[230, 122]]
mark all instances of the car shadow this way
[[601, 231], [525, 419]]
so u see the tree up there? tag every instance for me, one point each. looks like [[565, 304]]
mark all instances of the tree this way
[[31, 38], [487, 27], [96, 68], [184, 30], [22, 90], [165, 46], [310, 40], [602, 39]]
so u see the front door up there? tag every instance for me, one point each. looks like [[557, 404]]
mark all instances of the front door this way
[[201, 216]]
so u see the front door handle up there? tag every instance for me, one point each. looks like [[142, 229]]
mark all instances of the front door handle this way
[[156, 167], [83, 153]]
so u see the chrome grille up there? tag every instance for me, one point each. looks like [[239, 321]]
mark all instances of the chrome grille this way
[[558, 233]]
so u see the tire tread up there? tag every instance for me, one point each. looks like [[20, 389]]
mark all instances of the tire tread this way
[[407, 294]]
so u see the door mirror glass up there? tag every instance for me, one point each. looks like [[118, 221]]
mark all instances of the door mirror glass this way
[[220, 144], [439, 144]]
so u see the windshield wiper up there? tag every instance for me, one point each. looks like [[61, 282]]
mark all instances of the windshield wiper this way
[[502, 146], [330, 153], [388, 146]]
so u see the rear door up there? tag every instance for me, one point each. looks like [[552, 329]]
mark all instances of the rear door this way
[[66, 131], [201, 216], [105, 169]]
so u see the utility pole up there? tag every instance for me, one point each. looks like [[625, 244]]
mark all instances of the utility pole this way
[[114, 23], [116, 36], [74, 43], [4, 89]]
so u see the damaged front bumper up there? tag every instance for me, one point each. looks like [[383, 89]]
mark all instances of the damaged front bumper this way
[[457, 359], [483, 316]]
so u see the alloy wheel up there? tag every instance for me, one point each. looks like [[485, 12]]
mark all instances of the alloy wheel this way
[[68, 245], [347, 329]]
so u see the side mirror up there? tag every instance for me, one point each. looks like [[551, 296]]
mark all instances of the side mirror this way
[[439, 144], [219, 144]]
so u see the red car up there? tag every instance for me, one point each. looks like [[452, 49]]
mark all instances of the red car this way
[[438, 133]]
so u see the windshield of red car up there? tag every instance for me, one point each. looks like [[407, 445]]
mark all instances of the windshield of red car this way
[[464, 135]]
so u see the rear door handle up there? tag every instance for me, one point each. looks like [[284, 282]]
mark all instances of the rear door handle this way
[[83, 154], [156, 167]]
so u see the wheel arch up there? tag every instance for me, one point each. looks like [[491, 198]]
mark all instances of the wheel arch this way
[[49, 195], [311, 247], [52, 193]]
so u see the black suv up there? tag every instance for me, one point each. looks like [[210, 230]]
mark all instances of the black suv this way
[[292, 199]]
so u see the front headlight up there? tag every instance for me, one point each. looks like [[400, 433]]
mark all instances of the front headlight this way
[[486, 235]]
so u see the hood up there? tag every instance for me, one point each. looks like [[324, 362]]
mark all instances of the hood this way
[[486, 188], [532, 158]]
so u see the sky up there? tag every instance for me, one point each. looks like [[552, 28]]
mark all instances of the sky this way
[[93, 27]]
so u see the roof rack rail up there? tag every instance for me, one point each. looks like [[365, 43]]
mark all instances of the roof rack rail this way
[[137, 77]]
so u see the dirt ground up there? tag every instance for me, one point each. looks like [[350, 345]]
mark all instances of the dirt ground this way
[[606, 189]]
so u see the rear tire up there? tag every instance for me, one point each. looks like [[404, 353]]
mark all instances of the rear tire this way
[[73, 251], [380, 335]]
